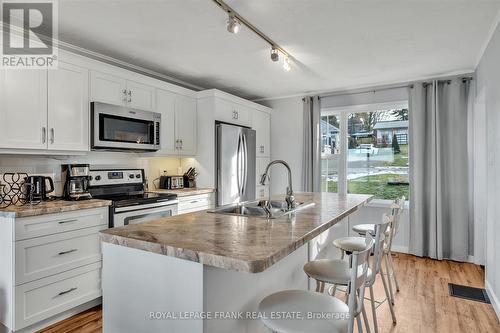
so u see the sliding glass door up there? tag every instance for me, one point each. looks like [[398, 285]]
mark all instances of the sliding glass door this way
[[364, 150]]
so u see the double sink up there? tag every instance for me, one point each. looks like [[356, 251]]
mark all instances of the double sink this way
[[263, 209]]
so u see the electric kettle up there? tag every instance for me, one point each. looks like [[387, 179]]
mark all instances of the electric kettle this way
[[37, 187]]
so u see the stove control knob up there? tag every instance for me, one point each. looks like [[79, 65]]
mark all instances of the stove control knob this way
[[131, 176], [90, 178], [138, 175], [97, 177]]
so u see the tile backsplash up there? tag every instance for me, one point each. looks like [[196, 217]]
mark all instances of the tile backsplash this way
[[51, 165]]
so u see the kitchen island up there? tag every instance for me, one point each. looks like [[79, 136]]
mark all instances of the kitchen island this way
[[205, 272]]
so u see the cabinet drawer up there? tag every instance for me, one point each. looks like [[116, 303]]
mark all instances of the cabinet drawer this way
[[44, 256], [37, 226], [44, 298]]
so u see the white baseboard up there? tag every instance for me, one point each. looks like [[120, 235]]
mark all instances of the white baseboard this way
[[493, 298], [400, 249]]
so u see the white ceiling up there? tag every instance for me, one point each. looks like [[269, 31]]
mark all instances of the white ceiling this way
[[338, 44]]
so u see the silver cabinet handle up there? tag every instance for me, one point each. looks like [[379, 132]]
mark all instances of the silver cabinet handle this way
[[124, 95], [181, 143], [193, 202], [262, 149], [44, 135], [66, 252], [67, 291], [52, 135], [130, 96], [67, 221]]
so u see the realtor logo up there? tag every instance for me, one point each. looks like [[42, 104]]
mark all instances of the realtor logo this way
[[29, 31]]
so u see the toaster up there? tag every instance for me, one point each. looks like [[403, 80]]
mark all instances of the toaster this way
[[171, 182]]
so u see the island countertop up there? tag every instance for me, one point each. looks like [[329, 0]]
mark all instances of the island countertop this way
[[247, 244]]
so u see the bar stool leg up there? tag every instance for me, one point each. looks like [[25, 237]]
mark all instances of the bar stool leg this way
[[365, 319], [387, 296], [374, 312], [318, 286], [360, 326], [389, 278], [393, 271]]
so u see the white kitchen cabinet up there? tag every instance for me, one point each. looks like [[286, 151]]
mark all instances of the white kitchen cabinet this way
[[23, 109], [50, 264], [261, 123], [165, 104], [262, 191], [140, 96], [233, 113], [186, 124], [116, 90], [108, 88], [179, 123], [68, 108], [195, 203]]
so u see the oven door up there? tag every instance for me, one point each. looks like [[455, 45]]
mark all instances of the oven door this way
[[139, 214], [119, 128]]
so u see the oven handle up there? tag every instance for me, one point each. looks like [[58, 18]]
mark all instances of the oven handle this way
[[121, 217], [147, 206]]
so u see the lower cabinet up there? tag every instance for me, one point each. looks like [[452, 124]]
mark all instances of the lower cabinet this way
[[47, 297], [50, 264], [194, 203]]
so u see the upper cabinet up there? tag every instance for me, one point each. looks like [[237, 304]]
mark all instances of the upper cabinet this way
[[113, 89], [261, 123], [232, 113], [68, 108], [179, 123], [23, 109], [45, 109]]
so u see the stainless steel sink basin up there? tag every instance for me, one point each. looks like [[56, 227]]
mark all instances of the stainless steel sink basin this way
[[257, 208]]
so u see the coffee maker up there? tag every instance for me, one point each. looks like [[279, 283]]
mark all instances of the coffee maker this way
[[76, 181]]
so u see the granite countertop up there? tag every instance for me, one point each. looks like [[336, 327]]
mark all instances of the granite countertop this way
[[247, 244], [51, 207], [185, 192]]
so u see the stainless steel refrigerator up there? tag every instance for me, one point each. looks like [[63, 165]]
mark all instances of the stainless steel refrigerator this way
[[235, 164]]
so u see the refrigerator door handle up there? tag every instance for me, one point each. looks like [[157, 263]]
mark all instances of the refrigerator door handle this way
[[245, 165], [238, 165]]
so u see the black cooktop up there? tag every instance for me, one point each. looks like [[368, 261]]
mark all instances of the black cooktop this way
[[132, 199]]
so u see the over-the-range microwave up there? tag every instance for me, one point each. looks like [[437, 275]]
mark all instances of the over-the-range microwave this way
[[120, 128]]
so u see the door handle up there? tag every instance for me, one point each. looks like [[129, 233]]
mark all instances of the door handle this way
[[245, 162], [67, 291], [67, 251], [52, 135], [67, 221], [124, 95], [44, 135], [130, 96], [238, 166]]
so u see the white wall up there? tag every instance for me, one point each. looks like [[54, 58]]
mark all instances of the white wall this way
[[286, 142], [488, 88]]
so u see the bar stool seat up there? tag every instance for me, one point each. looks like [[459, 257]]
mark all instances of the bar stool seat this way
[[362, 229], [333, 271], [304, 302], [350, 244]]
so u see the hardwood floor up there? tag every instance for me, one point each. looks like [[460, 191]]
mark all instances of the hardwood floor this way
[[423, 304]]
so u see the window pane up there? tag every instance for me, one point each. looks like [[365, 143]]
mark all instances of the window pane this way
[[377, 159], [330, 150]]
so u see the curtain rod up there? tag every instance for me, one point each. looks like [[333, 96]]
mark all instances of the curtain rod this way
[[367, 91]]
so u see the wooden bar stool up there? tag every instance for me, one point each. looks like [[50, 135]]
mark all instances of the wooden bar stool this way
[[339, 316]]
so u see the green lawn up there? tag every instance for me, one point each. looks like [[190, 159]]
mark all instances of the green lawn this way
[[375, 185], [400, 159]]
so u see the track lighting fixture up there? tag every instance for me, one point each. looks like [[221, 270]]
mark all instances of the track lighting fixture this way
[[286, 64], [275, 54], [233, 25]]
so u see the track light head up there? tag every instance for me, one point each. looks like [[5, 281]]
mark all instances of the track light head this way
[[233, 25], [286, 64], [275, 54]]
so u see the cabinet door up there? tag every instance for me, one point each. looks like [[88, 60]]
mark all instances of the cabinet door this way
[[68, 112], [231, 113], [185, 124], [262, 125], [140, 96], [23, 109], [107, 88], [261, 164], [165, 104]]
